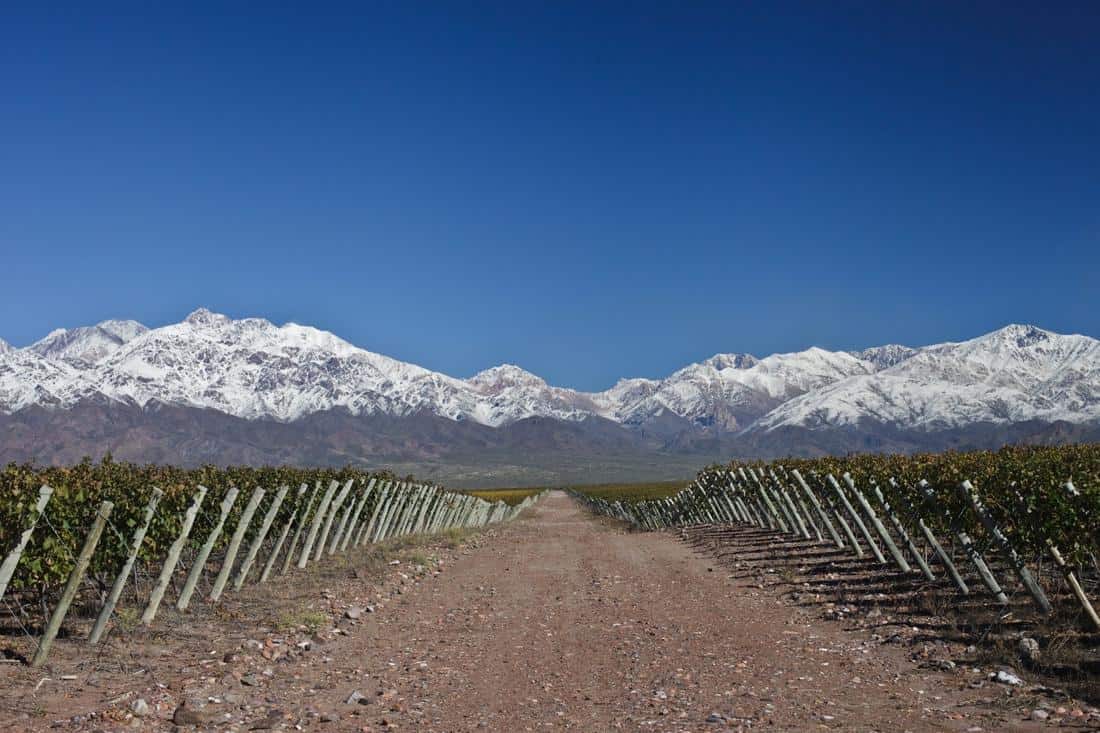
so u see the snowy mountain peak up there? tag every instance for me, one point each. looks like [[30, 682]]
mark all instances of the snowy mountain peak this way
[[731, 361], [5, 347], [1014, 374], [1022, 335], [86, 345], [496, 378], [884, 357], [205, 317], [253, 369], [124, 330]]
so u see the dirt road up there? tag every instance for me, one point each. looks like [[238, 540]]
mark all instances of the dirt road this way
[[565, 621], [557, 621]]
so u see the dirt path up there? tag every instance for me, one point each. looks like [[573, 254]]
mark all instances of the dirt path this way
[[557, 621], [565, 621]]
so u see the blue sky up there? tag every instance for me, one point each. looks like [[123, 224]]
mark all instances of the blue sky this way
[[590, 190]]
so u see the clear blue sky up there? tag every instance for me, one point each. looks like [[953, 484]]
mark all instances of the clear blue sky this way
[[590, 190]]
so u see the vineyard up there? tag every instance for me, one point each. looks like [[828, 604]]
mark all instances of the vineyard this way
[[83, 542], [999, 546]]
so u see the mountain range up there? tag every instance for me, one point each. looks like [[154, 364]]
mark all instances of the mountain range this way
[[215, 389]]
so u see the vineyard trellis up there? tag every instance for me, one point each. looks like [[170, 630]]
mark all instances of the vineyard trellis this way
[[96, 530], [995, 517]]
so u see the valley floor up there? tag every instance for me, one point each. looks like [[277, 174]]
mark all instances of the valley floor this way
[[557, 621]]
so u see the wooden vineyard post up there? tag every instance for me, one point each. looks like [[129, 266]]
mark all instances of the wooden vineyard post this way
[[791, 508], [381, 510], [838, 515], [752, 500], [473, 514], [369, 527], [818, 508], [283, 535], [899, 527], [747, 512], [899, 559], [235, 544], [315, 525], [438, 507], [856, 518], [173, 558], [933, 542], [441, 514], [342, 523], [409, 510], [392, 526], [450, 519], [303, 517], [73, 584], [729, 495], [429, 500], [1074, 584], [474, 517], [7, 569], [388, 501], [786, 522], [258, 540], [719, 509], [415, 509], [364, 527], [353, 523], [124, 572], [334, 507], [1067, 572], [735, 509], [383, 531], [968, 546], [351, 519], [462, 515], [774, 519], [796, 496], [966, 491], [199, 565]]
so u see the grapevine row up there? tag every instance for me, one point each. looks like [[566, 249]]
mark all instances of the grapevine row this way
[[97, 525], [936, 514]]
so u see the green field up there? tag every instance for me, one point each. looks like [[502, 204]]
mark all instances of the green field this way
[[632, 492]]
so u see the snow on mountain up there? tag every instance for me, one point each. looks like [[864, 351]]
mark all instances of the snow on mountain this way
[[251, 368], [1014, 374], [508, 393], [884, 357], [5, 347], [28, 379], [88, 344], [730, 390]]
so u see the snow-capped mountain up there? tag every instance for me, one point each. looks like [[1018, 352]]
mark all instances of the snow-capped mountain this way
[[5, 347], [884, 357], [252, 369], [255, 371], [1012, 375], [29, 379], [729, 391], [88, 344]]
